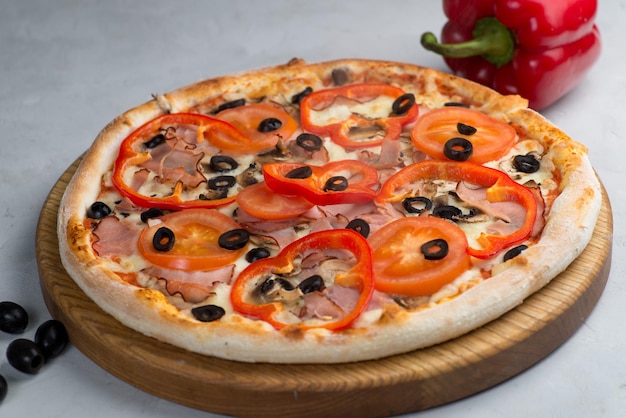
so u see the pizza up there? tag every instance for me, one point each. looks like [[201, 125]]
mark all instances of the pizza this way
[[324, 213]]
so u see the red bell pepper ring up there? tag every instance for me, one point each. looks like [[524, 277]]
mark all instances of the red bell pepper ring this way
[[359, 276], [339, 131], [500, 188], [133, 152], [361, 181], [539, 49]]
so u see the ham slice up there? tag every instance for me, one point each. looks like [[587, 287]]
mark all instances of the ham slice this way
[[115, 237], [193, 286]]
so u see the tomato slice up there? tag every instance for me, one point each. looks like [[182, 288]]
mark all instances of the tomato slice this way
[[401, 267], [196, 233], [259, 201], [262, 123], [490, 138]]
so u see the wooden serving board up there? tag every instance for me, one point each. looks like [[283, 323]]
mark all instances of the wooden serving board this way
[[399, 384]]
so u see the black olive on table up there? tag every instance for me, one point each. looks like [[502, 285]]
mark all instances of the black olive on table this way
[[13, 317], [52, 338], [25, 355]]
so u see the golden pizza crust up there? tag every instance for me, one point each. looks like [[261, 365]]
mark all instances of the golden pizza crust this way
[[568, 229]]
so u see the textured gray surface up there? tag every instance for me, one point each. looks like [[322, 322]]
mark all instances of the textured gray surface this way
[[68, 67]]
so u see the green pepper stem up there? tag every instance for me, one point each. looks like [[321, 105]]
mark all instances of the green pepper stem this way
[[492, 41]]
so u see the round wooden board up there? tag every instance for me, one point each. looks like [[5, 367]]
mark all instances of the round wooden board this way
[[404, 383]]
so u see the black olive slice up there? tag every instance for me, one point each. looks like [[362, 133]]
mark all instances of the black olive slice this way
[[360, 226], [222, 163], [221, 182], [268, 284], [309, 142], [269, 125], [464, 129], [458, 149], [417, 204], [234, 239], [526, 163], [340, 76], [447, 212], [150, 213], [98, 210], [403, 104], [435, 249], [456, 104], [163, 239], [514, 252], [256, 254], [297, 98], [208, 313], [336, 184], [155, 141], [312, 284], [303, 172], [230, 105]]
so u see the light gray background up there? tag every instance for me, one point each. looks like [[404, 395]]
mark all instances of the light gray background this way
[[68, 67]]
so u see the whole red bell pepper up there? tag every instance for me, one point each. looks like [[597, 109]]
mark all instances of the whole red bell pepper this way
[[539, 49]]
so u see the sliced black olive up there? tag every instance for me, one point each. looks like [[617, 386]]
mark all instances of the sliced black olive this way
[[340, 76], [312, 284], [514, 252], [155, 141], [214, 194], [403, 104], [234, 239], [526, 163], [221, 182], [447, 212], [464, 129], [360, 226], [222, 163], [4, 388], [230, 105], [13, 317], [208, 313], [256, 254], [297, 98], [52, 338], [458, 149], [268, 284], [435, 249], [163, 239], [456, 104], [417, 204], [25, 356], [309, 142], [303, 172], [98, 210], [150, 213], [269, 125], [336, 184]]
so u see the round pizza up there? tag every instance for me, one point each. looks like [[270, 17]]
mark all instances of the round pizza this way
[[324, 213]]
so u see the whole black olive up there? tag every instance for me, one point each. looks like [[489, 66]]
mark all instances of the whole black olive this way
[[25, 356], [13, 318], [4, 388], [98, 210], [52, 338]]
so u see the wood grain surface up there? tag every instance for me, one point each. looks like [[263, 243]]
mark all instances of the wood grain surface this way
[[399, 384]]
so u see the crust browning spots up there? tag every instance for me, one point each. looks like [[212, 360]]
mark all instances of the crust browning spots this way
[[293, 332]]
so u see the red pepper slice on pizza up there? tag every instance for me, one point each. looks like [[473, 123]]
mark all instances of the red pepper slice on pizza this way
[[276, 289], [344, 181], [496, 188], [159, 164], [358, 115]]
